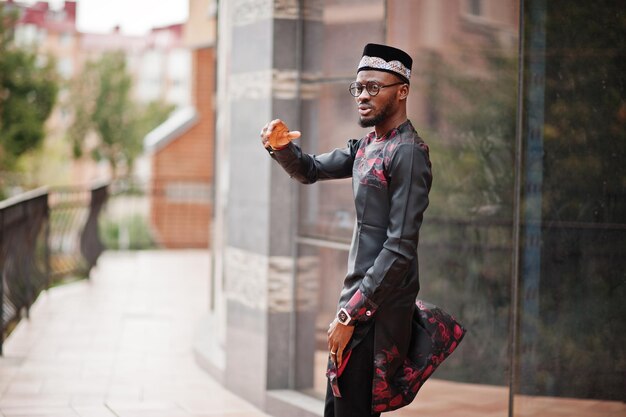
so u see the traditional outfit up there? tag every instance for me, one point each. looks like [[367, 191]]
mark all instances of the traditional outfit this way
[[395, 339]]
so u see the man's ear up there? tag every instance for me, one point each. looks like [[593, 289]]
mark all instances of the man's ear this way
[[403, 92]]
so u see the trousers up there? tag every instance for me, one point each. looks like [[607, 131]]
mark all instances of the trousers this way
[[355, 383]]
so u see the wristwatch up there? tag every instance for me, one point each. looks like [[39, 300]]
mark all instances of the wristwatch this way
[[344, 318]]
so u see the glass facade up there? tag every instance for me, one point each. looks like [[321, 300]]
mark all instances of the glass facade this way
[[572, 280], [525, 237]]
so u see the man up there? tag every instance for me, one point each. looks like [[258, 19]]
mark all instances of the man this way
[[370, 338]]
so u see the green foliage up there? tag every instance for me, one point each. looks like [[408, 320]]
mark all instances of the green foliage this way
[[473, 162], [581, 279], [132, 231], [102, 103], [465, 243], [585, 124], [571, 319], [28, 92]]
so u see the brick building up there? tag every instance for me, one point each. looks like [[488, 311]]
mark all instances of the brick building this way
[[51, 31], [182, 149]]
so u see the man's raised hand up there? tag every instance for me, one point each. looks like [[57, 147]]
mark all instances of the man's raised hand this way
[[276, 134]]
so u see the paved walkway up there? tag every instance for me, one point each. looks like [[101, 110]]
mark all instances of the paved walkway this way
[[117, 345], [120, 345]]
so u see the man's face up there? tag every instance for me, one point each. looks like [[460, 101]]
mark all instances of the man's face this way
[[376, 109]]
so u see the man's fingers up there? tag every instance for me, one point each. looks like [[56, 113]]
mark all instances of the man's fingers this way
[[294, 134], [274, 123], [340, 350], [277, 134]]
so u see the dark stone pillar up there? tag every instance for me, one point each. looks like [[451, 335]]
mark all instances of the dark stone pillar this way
[[255, 219]]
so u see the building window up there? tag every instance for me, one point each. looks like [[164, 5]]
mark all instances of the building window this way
[[66, 39], [65, 67], [42, 34], [26, 35], [188, 192], [475, 7], [212, 9]]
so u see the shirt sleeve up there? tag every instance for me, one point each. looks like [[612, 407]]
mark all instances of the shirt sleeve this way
[[310, 168], [409, 183]]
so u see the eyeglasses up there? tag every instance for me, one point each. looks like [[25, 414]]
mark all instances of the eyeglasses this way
[[372, 87]]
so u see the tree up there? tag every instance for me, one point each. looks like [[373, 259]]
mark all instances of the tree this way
[[101, 102], [581, 282], [28, 92], [465, 245]]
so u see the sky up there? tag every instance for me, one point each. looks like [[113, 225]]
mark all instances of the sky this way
[[135, 17]]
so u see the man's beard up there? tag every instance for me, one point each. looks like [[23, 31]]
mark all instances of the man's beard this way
[[377, 118]]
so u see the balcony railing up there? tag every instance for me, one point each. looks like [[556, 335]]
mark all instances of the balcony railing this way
[[46, 236]]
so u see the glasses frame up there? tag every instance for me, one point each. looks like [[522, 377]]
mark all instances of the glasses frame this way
[[358, 86]]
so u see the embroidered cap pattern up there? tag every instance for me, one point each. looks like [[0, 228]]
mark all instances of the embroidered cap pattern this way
[[379, 63]]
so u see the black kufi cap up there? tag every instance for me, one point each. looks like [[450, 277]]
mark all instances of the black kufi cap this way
[[386, 58]]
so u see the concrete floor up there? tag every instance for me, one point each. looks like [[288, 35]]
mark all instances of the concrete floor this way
[[120, 345], [439, 398], [117, 345]]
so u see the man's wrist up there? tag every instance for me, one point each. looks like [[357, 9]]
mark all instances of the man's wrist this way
[[281, 147], [271, 149]]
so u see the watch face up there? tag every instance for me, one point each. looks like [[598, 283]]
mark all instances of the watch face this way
[[343, 316]]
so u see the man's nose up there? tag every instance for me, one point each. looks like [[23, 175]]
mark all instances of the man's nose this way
[[364, 95]]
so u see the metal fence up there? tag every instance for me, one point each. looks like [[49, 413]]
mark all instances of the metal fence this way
[[46, 236], [125, 224], [73, 240], [56, 234]]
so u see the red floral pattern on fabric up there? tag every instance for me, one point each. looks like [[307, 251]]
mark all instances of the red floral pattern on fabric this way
[[333, 374], [369, 161], [360, 308], [436, 334], [374, 154]]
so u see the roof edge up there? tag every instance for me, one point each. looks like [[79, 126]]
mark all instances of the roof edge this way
[[178, 122]]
